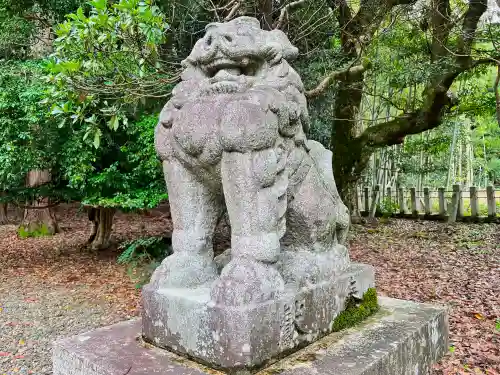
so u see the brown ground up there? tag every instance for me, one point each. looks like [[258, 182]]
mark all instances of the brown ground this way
[[53, 286]]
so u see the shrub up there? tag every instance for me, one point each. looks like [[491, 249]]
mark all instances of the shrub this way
[[40, 231], [143, 255], [388, 207]]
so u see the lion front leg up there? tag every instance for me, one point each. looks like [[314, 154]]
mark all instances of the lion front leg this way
[[254, 184], [195, 207]]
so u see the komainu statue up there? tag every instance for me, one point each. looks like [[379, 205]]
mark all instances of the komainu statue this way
[[233, 136]]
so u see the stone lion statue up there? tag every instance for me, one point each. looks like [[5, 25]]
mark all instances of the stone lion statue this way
[[234, 134]]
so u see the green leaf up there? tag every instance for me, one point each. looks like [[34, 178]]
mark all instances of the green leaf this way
[[56, 110], [80, 14], [86, 135], [97, 138], [99, 4], [114, 122]]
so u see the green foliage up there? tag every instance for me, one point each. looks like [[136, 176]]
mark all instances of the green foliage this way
[[22, 21], [388, 207], [123, 173], [105, 60], [40, 231], [356, 311], [105, 64], [482, 207], [30, 140], [313, 69], [142, 256]]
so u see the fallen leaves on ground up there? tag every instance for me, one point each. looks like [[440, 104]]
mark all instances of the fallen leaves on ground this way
[[53, 286], [456, 265]]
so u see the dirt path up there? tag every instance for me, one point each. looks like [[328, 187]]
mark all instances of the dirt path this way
[[51, 287]]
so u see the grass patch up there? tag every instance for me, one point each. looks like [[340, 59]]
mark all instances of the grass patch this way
[[356, 310]]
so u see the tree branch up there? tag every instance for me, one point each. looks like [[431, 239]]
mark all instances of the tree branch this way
[[469, 27], [497, 93], [428, 117], [233, 11], [441, 26], [436, 97], [344, 15], [266, 10], [351, 73], [284, 12], [372, 12]]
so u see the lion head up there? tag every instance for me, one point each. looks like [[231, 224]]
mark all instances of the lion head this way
[[238, 56]]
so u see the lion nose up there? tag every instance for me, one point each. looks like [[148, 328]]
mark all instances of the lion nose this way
[[216, 39]]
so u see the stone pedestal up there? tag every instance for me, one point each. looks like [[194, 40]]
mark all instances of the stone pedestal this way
[[402, 338], [187, 321]]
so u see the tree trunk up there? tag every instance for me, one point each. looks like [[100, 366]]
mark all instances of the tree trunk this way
[[39, 216], [102, 225], [343, 141], [3, 214], [266, 12]]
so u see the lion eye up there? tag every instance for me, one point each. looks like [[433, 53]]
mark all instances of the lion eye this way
[[228, 38], [209, 40]]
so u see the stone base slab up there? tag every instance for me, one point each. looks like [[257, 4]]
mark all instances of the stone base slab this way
[[188, 322], [403, 338]]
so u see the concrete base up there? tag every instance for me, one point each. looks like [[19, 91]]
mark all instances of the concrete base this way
[[188, 322], [403, 338]]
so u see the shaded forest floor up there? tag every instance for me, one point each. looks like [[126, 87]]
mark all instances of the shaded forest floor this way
[[52, 286]]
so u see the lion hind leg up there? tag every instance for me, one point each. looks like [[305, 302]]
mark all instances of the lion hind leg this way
[[313, 228]]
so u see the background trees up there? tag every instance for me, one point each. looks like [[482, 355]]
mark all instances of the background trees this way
[[402, 92], [377, 70]]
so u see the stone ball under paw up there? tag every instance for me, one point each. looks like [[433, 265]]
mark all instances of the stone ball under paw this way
[[244, 282], [184, 270]]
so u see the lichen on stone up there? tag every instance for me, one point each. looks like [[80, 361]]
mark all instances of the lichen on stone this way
[[356, 310]]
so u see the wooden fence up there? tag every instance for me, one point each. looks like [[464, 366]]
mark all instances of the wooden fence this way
[[462, 204]]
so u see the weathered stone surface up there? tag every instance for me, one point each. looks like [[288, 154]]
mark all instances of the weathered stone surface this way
[[189, 321], [233, 136], [404, 338]]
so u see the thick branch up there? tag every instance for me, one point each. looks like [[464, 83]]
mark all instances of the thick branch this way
[[371, 12], [233, 11], [364, 23], [344, 15], [469, 27], [266, 10], [441, 26], [348, 74], [436, 97], [427, 117]]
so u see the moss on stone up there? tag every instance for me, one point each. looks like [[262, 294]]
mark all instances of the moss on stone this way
[[356, 311]]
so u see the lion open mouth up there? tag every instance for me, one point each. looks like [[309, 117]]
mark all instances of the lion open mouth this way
[[224, 69]]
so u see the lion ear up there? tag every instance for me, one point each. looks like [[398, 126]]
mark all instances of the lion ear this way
[[289, 52], [213, 25]]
